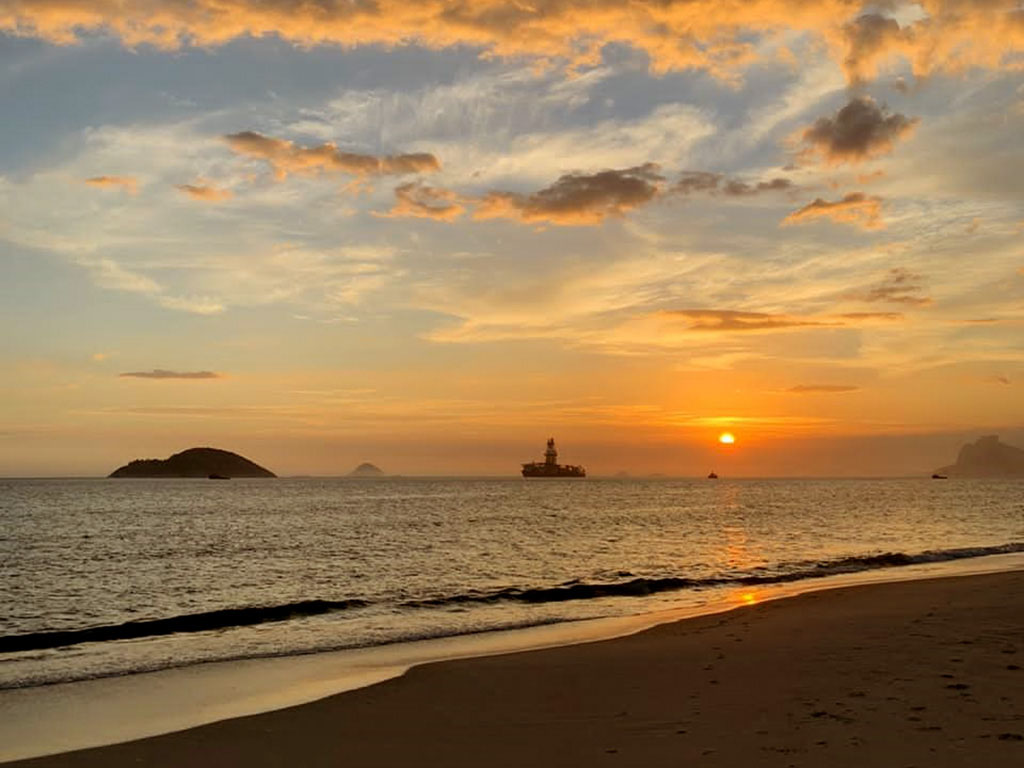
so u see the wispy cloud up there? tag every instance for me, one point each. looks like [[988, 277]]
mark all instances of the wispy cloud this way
[[814, 389], [161, 373], [733, 320], [127, 183], [207, 193], [900, 286], [197, 305]]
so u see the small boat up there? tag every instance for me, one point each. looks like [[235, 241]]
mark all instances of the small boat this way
[[215, 476], [937, 476], [712, 476]]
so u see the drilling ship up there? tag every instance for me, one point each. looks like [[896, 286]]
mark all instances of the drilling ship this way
[[550, 466]]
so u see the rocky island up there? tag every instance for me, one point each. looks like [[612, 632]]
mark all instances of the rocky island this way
[[366, 469], [195, 462], [986, 457]]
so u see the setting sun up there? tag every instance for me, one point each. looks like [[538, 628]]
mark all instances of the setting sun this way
[[727, 438]]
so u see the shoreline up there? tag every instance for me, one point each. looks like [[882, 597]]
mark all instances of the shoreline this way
[[108, 711], [909, 673]]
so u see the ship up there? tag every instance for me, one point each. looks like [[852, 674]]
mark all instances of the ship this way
[[550, 466]]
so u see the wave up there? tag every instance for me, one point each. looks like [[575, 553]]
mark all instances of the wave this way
[[640, 587], [224, 618], [228, 618]]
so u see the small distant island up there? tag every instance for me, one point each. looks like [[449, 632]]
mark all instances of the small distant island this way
[[366, 469], [195, 462], [986, 457]]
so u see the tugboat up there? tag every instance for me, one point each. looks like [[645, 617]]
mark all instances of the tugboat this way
[[550, 466]]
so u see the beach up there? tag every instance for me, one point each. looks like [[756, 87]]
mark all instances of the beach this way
[[916, 673]]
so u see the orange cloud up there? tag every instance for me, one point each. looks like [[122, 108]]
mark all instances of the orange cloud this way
[[733, 320], [856, 208], [869, 316], [577, 199], [206, 193], [285, 157], [128, 183], [813, 389], [952, 37], [425, 202], [857, 132], [736, 320], [719, 36]]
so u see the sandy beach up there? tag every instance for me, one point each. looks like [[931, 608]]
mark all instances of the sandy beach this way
[[923, 673]]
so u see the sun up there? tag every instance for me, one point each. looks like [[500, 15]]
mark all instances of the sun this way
[[727, 438]]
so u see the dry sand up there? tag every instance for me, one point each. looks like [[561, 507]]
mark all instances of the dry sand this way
[[922, 673]]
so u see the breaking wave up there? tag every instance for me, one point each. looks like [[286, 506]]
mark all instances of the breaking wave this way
[[228, 618], [224, 618]]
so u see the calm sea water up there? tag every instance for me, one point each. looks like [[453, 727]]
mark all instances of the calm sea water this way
[[104, 577]]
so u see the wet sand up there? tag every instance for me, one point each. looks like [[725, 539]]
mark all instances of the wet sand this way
[[923, 673]]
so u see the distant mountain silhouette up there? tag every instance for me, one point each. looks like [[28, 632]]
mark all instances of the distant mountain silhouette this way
[[195, 462], [986, 457], [366, 469]]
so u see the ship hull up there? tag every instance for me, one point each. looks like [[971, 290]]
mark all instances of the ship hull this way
[[558, 471]]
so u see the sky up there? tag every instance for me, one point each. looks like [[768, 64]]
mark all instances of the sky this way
[[430, 234]]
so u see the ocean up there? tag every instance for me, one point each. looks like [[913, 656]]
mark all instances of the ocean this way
[[109, 577]]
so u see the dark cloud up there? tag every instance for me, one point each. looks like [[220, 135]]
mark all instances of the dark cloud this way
[[696, 182], [868, 38], [810, 389], [577, 199], [286, 157], [737, 188], [160, 373], [900, 286], [856, 208], [857, 132]]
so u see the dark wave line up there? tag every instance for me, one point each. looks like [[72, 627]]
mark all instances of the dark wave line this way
[[640, 587], [194, 622], [637, 587]]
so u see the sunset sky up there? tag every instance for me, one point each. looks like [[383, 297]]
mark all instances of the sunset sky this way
[[431, 234]]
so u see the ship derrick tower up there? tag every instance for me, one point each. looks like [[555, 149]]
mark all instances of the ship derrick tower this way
[[551, 454]]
